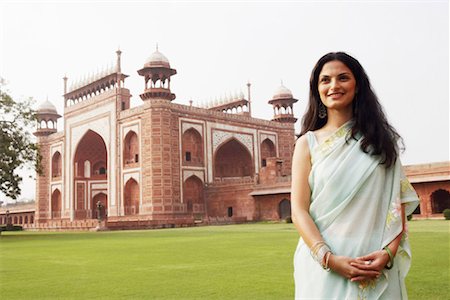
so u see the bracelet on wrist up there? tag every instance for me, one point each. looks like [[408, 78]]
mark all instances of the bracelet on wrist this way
[[390, 264], [321, 253]]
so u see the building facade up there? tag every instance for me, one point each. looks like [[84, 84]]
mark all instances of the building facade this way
[[161, 163]]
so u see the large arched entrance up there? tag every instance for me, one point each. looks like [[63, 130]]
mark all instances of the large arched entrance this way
[[56, 204], [440, 200], [131, 197], [232, 159], [284, 209], [193, 195], [90, 166]]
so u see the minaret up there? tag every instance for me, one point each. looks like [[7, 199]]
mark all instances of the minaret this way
[[157, 73], [283, 102], [47, 117]]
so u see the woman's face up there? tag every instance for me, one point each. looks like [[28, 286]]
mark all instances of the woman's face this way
[[337, 86]]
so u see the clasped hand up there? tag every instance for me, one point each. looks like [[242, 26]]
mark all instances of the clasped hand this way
[[362, 268]]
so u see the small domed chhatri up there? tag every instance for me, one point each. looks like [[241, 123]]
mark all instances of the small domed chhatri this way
[[157, 59], [282, 92]]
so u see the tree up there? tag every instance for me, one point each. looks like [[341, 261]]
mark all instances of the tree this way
[[17, 149]]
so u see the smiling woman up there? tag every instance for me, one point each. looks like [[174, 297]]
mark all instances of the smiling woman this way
[[347, 195]]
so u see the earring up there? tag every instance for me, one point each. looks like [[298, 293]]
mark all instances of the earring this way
[[322, 111]]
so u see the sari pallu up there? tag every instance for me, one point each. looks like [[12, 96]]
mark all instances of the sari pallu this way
[[356, 205]]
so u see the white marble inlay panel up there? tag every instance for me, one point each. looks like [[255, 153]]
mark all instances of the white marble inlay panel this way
[[134, 175], [270, 137], [189, 173], [220, 136], [187, 126]]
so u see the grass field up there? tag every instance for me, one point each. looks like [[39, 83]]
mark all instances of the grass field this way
[[251, 261]]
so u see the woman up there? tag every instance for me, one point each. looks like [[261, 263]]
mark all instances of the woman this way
[[349, 193]]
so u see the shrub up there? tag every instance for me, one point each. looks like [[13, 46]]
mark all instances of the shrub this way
[[288, 220], [11, 228], [447, 213]]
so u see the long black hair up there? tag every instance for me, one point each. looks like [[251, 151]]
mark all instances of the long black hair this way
[[369, 119]]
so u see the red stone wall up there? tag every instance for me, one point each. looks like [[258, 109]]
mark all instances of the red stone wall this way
[[267, 206], [43, 182], [286, 140], [161, 163], [424, 191], [220, 197]]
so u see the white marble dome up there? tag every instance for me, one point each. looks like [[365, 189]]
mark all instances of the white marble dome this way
[[282, 92], [47, 108], [157, 59]]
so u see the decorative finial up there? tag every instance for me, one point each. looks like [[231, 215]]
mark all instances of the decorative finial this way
[[157, 47]]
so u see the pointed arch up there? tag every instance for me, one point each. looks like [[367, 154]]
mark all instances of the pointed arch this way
[[91, 147], [131, 149], [193, 194], [267, 150], [192, 148], [440, 200], [56, 164], [284, 209], [131, 197], [103, 199], [232, 159], [56, 204]]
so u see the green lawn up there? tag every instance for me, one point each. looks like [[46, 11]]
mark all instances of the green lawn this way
[[252, 261]]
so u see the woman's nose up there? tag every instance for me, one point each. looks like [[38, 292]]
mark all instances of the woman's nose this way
[[334, 83]]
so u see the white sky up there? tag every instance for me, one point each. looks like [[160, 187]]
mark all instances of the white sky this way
[[217, 47]]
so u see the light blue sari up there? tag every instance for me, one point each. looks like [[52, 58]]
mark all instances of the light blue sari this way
[[356, 205]]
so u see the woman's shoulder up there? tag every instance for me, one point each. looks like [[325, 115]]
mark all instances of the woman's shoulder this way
[[303, 143]]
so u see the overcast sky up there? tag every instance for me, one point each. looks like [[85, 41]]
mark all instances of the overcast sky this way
[[217, 47]]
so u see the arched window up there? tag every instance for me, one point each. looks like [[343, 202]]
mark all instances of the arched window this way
[[56, 204], [193, 194], [56, 164], [87, 169], [267, 150], [192, 148], [440, 200], [284, 209], [131, 149], [103, 199], [131, 197]]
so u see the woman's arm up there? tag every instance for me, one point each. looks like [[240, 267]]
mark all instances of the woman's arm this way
[[301, 193], [300, 202], [380, 258]]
